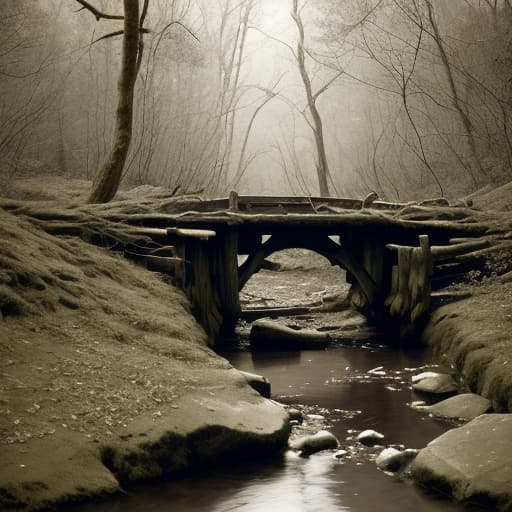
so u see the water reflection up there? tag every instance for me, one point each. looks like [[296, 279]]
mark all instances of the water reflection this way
[[336, 384]]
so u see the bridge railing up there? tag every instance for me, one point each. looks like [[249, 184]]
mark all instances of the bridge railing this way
[[297, 204]]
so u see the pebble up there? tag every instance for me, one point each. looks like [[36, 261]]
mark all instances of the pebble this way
[[370, 437]]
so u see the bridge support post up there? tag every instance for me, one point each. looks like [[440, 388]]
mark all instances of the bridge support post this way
[[224, 268], [211, 279], [408, 301], [369, 254]]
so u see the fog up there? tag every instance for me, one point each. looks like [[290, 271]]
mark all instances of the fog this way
[[407, 98]]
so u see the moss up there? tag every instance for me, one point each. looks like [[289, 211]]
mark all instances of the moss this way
[[9, 502], [174, 454], [148, 462], [473, 335], [220, 443], [68, 302], [11, 303], [475, 367]]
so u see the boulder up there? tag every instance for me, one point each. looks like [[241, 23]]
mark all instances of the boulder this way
[[295, 415], [269, 335], [423, 375], [370, 437], [340, 454], [391, 460], [467, 406], [472, 462], [322, 440], [435, 384], [258, 383]]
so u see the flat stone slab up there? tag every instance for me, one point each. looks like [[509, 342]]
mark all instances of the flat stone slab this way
[[473, 462], [467, 406], [435, 383]]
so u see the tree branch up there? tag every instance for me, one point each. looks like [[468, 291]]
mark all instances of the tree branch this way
[[97, 13], [118, 33]]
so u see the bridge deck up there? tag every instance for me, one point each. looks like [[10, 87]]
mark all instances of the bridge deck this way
[[365, 223]]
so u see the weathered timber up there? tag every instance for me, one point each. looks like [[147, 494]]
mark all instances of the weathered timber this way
[[397, 230], [201, 234], [448, 252], [224, 261], [268, 335], [255, 313], [162, 264], [409, 297], [200, 287]]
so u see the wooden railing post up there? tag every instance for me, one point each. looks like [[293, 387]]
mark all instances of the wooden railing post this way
[[233, 201]]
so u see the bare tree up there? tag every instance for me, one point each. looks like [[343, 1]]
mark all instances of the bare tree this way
[[316, 124], [107, 180]]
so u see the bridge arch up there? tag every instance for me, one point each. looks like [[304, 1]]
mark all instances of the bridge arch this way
[[334, 252]]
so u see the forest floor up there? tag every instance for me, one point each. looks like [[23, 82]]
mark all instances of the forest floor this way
[[99, 359]]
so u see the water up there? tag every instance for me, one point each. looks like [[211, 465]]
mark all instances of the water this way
[[335, 384]]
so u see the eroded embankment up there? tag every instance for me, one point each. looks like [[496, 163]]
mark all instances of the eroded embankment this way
[[106, 378], [202, 428], [475, 336]]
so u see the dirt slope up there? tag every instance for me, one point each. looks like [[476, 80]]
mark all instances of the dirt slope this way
[[100, 361]]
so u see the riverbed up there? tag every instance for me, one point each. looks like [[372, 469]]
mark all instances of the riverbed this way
[[358, 383], [344, 389]]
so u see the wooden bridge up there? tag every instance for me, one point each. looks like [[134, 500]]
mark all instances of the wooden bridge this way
[[389, 262]]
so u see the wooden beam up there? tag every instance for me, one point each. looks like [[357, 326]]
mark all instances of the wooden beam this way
[[200, 234]]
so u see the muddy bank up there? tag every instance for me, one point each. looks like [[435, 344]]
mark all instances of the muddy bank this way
[[106, 378], [472, 462], [473, 336]]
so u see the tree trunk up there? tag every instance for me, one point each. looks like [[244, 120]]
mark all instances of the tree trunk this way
[[322, 166], [466, 121], [107, 180]]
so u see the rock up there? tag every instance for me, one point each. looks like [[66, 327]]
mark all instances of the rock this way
[[472, 462], [370, 437], [295, 415], [437, 384], [322, 440], [423, 375], [392, 460], [315, 417], [269, 335], [271, 265], [340, 454], [506, 278], [467, 406], [258, 383]]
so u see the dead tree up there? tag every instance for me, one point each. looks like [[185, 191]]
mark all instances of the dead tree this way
[[107, 179]]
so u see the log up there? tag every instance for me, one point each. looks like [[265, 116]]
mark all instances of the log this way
[[268, 335], [164, 265], [448, 252], [252, 314], [200, 234]]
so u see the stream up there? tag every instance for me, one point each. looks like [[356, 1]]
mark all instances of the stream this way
[[335, 391], [354, 385]]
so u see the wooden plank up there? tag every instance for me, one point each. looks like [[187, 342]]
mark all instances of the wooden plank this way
[[200, 234], [401, 231]]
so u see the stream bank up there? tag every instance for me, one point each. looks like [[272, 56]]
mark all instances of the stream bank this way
[[95, 370], [106, 378]]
